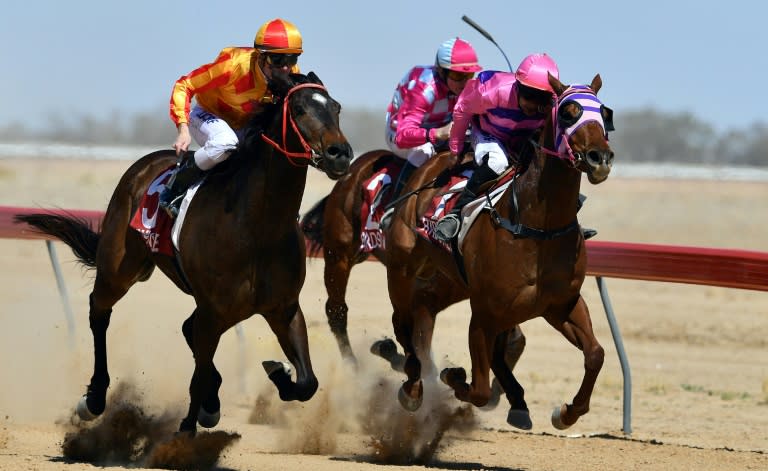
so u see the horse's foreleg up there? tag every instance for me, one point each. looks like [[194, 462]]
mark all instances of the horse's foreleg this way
[[205, 339], [506, 352], [291, 331], [210, 411], [336, 276], [577, 328], [481, 343]]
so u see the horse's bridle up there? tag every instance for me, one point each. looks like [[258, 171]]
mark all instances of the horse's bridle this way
[[309, 154]]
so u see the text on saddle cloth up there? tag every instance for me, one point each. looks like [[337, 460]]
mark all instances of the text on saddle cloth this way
[[377, 193], [160, 232]]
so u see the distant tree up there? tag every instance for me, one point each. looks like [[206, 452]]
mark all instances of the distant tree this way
[[642, 135], [648, 135]]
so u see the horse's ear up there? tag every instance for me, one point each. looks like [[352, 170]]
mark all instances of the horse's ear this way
[[314, 78], [557, 85], [597, 82]]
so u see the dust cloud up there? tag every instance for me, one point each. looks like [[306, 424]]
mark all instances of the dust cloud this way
[[126, 435]]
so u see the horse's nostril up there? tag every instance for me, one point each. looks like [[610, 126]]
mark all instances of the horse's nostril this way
[[334, 151], [594, 157]]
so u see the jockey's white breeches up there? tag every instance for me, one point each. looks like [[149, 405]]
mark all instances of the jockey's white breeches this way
[[486, 144], [214, 136]]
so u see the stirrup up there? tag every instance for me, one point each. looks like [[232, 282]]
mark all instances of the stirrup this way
[[386, 219], [448, 227], [171, 207]]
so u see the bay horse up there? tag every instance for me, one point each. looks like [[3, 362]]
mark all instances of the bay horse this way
[[523, 258], [241, 249]]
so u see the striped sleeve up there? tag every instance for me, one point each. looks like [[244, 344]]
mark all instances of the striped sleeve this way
[[203, 78]]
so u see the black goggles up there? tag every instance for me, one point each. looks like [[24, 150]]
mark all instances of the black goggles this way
[[540, 97], [282, 60]]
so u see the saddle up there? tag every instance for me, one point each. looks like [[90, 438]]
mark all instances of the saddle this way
[[160, 232]]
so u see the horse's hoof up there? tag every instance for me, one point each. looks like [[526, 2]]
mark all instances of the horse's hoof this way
[[409, 403], [385, 348], [496, 392], [82, 409], [557, 418], [272, 366], [444, 376], [207, 419], [519, 418]]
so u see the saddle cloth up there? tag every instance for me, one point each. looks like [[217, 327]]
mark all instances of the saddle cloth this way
[[447, 198], [160, 232], [376, 196]]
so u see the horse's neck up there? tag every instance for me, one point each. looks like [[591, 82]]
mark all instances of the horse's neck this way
[[275, 187], [548, 191]]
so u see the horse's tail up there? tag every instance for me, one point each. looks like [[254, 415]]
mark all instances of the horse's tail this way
[[76, 232], [312, 226]]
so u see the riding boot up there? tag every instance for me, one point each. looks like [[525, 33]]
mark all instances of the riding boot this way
[[187, 173], [402, 179], [585, 231], [448, 227]]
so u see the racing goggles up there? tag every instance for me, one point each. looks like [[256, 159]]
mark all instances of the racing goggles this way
[[282, 60], [457, 76]]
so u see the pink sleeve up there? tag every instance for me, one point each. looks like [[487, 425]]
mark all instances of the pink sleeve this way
[[470, 102], [409, 118]]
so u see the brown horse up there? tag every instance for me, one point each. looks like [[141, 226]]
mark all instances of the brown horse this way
[[523, 258], [334, 226], [241, 249]]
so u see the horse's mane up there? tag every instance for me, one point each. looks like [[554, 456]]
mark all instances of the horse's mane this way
[[248, 149]]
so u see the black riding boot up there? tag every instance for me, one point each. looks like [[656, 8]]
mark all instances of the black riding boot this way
[[187, 173], [448, 227], [402, 179]]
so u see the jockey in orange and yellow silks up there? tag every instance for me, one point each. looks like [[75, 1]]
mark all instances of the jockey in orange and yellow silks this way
[[227, 91]]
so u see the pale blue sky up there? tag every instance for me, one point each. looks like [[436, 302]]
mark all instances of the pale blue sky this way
[[87, 57]]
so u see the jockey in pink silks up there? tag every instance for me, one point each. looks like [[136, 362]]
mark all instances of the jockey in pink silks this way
[[504, 109], [420, 115]]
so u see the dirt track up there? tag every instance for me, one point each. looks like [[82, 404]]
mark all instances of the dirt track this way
[[698, 354]]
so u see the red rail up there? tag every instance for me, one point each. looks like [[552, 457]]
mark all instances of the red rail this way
[[681, 264]]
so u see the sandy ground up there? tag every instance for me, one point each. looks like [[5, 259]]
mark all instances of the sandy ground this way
[[698, 354]]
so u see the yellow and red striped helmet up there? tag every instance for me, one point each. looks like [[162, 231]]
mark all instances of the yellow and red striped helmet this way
[[278, 36]]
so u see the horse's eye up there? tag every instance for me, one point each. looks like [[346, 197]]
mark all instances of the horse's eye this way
[[299, 110], [569, 113]]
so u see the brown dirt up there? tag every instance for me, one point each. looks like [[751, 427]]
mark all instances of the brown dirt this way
[[698, 358]]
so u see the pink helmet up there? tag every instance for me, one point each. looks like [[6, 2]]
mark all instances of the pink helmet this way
[[532, 72], [457, 54]]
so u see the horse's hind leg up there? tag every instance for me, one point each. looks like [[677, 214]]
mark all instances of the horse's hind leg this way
[[481, 346], [291, 331], [210, 411], [336, 275], [577, 328], [114, 277]]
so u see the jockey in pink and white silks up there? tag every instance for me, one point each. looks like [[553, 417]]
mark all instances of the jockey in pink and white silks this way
[[504, 109], [420, 115]]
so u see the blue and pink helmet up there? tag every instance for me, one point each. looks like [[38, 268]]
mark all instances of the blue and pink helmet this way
[[457, 54]]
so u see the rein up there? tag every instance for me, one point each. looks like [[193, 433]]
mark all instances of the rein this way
[[309, 153]]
